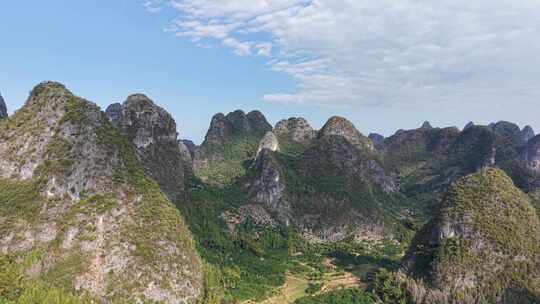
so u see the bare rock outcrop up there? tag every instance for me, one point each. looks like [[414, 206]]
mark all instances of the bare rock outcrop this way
[[89, 214], [295, 129], [527, 133], [339, 126], [152, 130], [269, 142], [3, 108], [531, 154]]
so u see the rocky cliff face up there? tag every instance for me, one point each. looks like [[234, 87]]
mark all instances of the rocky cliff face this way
[[527, 133], [269, 142], [224, 129], [377, 139], [189, 145], [482, 246], [510, 131], [152, 130], [295, 130], [3, 108], [85, 211], [229, 130], [114, 113], [305, 190], [531, 154]]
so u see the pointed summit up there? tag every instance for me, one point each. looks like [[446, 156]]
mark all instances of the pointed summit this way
[[152, 130], [426, 125], [3, 108], [114, 113], [109, 222], [469, 125], [527, 133], [339, 126]]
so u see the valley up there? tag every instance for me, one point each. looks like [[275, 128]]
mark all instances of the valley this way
[[114, 207]]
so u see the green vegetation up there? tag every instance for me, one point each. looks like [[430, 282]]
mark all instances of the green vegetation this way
[[389, 288], [226, 161], [19, 199], [313, 288], [345, 296], [16, 288], [489, 209], [248, 263], [222, 173], [251, 261], [155, 217]]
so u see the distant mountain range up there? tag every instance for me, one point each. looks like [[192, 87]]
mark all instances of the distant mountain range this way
[[113, 206]]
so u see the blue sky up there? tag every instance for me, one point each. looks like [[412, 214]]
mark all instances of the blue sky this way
[[384, 67]]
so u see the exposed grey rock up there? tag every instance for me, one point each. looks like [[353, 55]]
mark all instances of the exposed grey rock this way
[[296, 129], [186, 155], [268, 188], [426, 125], [96, 215], [3, 108], [527, 133], [190, 145], [531, 154], [152, 130], [269, 141], [114, 113], [339, 126], [225, 128], [258, 123], [377, 139]]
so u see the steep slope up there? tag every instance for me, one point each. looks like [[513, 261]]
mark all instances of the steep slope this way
[[429, 160], [294, 134], [3, 108], [334, 190], [419, 157], [152, 130], [377, 139], [481, 247], [340, 126], [531, 154], [527, 133], [114, 113], [230, 141], [77, 212]]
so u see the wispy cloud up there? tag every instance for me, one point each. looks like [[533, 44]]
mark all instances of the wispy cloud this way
[[153, 6], [378, 53]]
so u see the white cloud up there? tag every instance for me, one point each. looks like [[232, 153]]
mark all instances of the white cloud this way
[[379, 53], [153, 6]]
